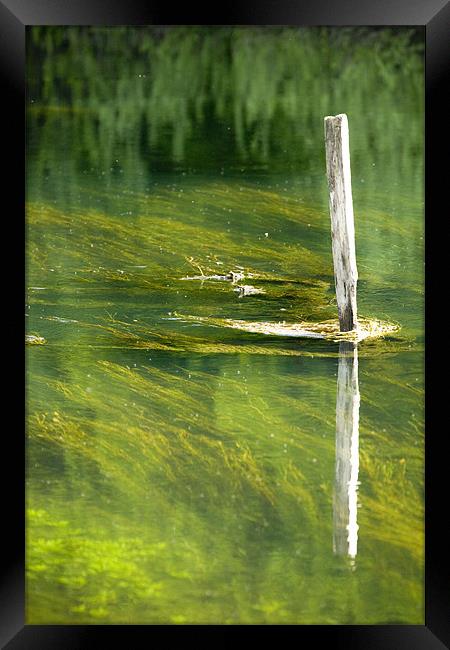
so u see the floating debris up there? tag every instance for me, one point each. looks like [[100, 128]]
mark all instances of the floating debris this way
[[367, 327], [233, 276], [33, 339], [58, 319], [247, 290], [205, 277]]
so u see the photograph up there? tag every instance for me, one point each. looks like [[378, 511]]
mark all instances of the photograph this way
[[224, 315]]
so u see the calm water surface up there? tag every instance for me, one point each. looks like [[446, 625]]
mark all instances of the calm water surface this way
[[184, 472]]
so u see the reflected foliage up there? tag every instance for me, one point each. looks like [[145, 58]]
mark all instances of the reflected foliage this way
[[262, 90]]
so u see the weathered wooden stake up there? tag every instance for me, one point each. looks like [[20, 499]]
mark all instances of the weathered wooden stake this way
[[342, 224]]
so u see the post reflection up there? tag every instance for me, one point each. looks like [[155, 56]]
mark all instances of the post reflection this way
[[345, 502]]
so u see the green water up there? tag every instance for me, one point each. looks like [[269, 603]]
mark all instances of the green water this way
[[185, 472]]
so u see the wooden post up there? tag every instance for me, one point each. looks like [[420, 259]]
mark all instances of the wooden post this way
[[345, 498], [342, 225]]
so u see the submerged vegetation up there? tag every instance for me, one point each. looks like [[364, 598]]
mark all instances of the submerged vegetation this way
[[265, 457], [181, 457], [292, 288]]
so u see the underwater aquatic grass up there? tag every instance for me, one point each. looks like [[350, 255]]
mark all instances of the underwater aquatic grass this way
[[162, 243], [308, 300], [115, 334], [137, 449], [156, 438]]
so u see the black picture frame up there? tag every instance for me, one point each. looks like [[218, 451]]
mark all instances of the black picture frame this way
[[434, 17]]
